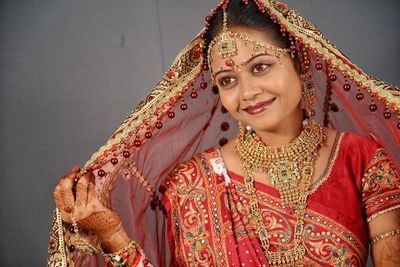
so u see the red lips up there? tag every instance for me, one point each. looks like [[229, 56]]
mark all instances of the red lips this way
[[259, 107]]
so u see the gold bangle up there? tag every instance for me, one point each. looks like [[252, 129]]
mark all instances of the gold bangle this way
[[120, 257], [384, 235], [131, 244]]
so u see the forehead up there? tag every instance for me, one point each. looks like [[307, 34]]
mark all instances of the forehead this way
[[243, 50]]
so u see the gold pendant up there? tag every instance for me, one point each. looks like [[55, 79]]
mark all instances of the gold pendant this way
[[285, 177], [226, 47]]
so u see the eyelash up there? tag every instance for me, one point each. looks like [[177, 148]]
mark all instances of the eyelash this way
[[264, 65], [224, 79]]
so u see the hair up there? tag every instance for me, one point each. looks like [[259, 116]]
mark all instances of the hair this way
[[247, 15]]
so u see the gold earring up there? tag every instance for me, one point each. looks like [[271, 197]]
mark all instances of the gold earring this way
[[242, 131], [308, 91]]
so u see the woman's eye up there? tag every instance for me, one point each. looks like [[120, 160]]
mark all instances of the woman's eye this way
[[260, 67], [226, 81]]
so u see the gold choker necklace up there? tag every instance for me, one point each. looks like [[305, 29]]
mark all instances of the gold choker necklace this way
[[290, 169], [285, 165]]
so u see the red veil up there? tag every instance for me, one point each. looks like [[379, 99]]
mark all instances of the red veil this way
[[182, 116]]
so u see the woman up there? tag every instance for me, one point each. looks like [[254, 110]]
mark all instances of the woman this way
[[284, 191]]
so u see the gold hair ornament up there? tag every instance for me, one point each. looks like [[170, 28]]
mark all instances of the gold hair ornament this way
[[226, 45]]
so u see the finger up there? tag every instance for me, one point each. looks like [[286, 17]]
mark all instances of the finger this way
[[92, 196], [59, 202], [67, 195], [82, 190], [92, 186], [57, 196], [57, 193], [75, 168]]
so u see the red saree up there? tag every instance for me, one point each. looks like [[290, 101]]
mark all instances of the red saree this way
[[208, 223], [208, 226]]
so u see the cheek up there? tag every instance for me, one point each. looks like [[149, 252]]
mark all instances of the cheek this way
[[229, 100], [296, 88], [290, 86]]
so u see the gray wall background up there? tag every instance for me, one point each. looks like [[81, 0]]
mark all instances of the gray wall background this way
[[70, 71]]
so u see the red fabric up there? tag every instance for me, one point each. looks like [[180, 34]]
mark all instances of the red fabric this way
[[143, 163], [208, 222]]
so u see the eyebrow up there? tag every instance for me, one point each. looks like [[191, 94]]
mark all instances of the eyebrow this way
[[244, 63]]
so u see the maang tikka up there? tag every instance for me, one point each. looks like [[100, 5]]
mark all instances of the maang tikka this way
[[226, 45]]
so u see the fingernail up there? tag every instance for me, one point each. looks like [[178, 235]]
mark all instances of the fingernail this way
[[75, 168]]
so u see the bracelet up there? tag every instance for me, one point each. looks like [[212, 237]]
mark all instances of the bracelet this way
[[384, 235], [120, 257], [81, 243]]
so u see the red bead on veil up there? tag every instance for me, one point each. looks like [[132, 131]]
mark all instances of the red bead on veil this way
[[183, 116]]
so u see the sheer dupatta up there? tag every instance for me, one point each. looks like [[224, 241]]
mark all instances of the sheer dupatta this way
[[182, 116]]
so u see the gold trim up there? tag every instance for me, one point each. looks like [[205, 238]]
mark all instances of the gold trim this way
[[331, 225], [167, 88], [60, 257], [216, 187], [376, 215], [331, 162], [61, 241]]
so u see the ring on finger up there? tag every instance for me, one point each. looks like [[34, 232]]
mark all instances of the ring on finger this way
[[69, 209], [79, 175]]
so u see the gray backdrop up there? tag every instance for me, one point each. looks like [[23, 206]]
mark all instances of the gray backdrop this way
[[70, 71]]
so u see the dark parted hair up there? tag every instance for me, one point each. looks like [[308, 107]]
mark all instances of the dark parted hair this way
[[247, 15]]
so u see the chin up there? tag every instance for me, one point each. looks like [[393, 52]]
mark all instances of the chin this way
[[267, 125]]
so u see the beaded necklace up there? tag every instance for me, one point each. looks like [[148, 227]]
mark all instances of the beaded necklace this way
[[290, 168]]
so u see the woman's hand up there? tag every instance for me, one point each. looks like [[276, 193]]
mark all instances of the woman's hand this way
[[77, 198]]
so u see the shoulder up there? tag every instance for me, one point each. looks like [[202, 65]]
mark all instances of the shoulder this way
[[189, 174], [361, 151], [355, 144], [197, 162], [353, 139]]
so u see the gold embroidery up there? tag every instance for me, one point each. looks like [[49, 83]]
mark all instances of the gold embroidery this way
[[380, 186], [331, 163], [382, 212], [188, 64], [319, 229], [58, 254]]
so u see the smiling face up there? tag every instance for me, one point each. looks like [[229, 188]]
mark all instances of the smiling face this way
[[259, 88]]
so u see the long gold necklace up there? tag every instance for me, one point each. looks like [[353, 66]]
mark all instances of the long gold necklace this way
[[290, 168]]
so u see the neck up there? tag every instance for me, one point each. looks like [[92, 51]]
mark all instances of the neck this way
[[285, 132]]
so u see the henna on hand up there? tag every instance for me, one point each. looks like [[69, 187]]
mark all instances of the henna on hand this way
[[90, 214], [387, 252], [104, 223]]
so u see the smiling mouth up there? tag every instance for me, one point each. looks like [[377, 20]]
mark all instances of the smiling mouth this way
[[259, 107]]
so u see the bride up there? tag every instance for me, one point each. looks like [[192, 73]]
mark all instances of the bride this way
[[262, 145]]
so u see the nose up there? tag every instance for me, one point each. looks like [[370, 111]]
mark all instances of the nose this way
[[249, 89]]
